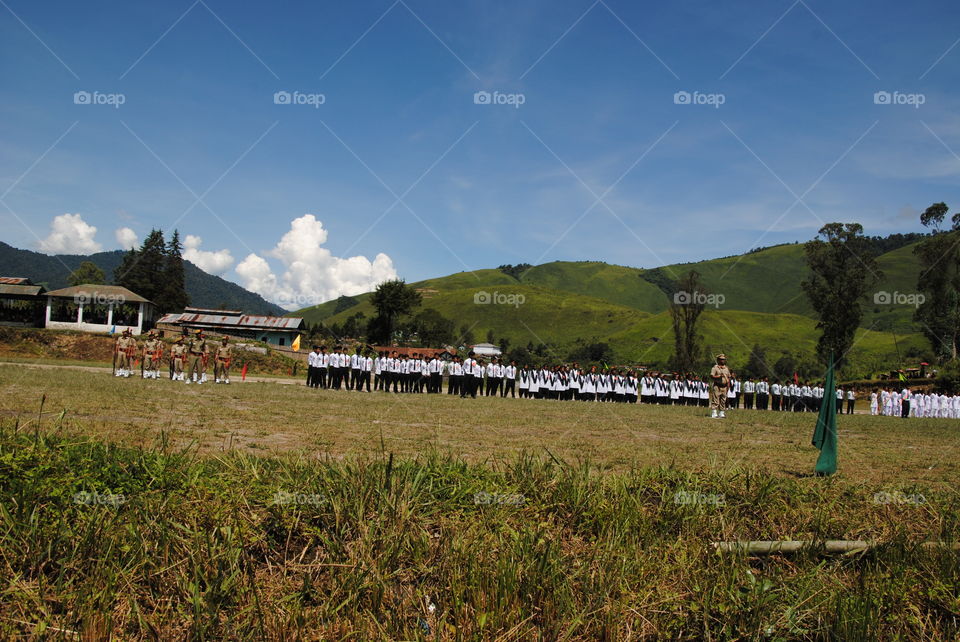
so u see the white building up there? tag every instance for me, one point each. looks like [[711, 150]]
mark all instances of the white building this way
[[98, 308], [486, 350]]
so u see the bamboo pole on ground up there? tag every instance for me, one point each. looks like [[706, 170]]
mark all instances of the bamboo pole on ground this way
[[768, 547]]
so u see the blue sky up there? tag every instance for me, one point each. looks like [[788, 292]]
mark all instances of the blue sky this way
[[599, 162]]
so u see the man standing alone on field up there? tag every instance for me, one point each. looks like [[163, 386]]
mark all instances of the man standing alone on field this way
[[719, 384]]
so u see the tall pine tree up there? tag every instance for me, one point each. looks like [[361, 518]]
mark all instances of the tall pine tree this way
[[155, 272], [174, 297]]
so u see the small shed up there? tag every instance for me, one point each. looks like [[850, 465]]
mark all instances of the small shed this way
[[278, 331], [21, 302]]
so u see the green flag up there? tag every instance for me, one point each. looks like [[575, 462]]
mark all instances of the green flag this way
[[825, 434]]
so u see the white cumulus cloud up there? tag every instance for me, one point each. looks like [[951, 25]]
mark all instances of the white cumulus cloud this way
[[312, 274], [70, 234], [126, 238], [210, 262]]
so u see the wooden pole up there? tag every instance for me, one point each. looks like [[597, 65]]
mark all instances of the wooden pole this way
[[762, 547]]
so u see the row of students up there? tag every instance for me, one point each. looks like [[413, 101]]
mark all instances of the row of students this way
[[907, 403]]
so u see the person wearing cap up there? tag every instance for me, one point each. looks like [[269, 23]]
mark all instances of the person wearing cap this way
[[196, 351], [178, 353], [151, 359], [719, 384], [221, 364], [123, 351]]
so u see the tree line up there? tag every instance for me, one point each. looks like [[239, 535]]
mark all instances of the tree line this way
[[154, 271]]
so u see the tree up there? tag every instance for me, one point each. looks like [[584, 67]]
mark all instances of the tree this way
[[466, 335], [142, 271], [785, 367], [842, 270], [431, 328], [391, 300], [343, 303], [88, 272], [933, 215], [516, 271], [756, 365], [939, 283], [685, 311], [173, 297], [593, 353]]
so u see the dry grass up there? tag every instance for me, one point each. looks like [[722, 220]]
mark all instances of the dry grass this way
[[267, 418], [370, 508]]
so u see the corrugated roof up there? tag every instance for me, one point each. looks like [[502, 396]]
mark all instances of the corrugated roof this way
[[99, 292], [14, 280], [20, 290], [232, 313], [245, 321]]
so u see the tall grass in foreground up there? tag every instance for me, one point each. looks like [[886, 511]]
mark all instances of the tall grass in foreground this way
[[100, 541]]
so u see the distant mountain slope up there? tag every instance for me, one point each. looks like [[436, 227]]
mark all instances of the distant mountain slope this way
[[205, 290], [541, 315], [613, 283], [763, 281], [735, 332], [566, 302], [767, 280]]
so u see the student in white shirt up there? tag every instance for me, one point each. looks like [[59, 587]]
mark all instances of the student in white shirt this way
[[356, 369], [676, 390], [588, 386], [575, 381], [749, 388], [523, 383], [648, 388], [763, 394], [366, 367], [630, 387], [510, 380], [469, 385], [534, 384]]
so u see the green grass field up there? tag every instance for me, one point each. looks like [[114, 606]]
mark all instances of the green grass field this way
[[152, 510]]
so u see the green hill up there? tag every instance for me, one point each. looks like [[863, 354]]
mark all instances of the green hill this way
[[735, 332], [540, 315], [566, 303], [764, 281], [613, 283]]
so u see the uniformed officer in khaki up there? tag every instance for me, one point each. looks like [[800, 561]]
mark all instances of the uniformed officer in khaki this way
[[178, 354], [151, 349], [720, 383], [196, 351], [126, 345], [221, 366]]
